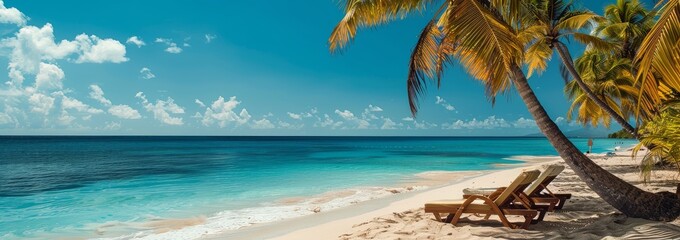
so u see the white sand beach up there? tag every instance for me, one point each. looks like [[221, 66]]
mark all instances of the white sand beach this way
[[585, 216]]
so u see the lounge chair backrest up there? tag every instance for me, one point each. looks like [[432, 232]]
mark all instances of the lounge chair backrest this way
[[544, 179], [517, 186]]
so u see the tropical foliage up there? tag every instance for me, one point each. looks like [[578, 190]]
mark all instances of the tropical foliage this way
[[611, 79], [658, 61], [663, 133]]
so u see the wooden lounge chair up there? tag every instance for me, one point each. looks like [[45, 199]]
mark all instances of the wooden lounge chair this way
[[500, 204], [533, 195], [536, 191]]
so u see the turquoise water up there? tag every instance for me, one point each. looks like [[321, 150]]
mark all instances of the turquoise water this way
[[113, 186]]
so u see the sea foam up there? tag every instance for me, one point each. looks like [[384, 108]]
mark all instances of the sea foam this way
[[266, 213]]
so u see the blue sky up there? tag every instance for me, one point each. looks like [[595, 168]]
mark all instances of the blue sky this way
[[232, 68]]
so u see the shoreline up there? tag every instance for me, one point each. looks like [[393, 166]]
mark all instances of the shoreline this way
[[585, 216], [333, 223]]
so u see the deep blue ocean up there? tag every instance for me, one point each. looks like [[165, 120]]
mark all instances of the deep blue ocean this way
[[118, 187]]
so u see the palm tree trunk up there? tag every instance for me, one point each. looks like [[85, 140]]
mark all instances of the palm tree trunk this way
[[623, 196], [563, 52]]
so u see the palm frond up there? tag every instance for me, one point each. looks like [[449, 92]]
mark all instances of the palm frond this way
[[367, 13], [659, 55]]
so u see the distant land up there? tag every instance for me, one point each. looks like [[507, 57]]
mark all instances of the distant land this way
[[582, 133]]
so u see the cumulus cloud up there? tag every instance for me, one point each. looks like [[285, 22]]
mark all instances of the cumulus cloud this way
[[32, 46], [96, 50], [388, 124], [146, 73], [423, 125], [124, 112], [199, 103], [491, 122], [171, 46], [120, 111], [327, 121], [97, 93], [294, 116], [209, 38], [163, 110], [350, 117], [443, 103], [369, 112], [112, 126], [41, 103], [262, 124], [407, 119], [11, 15], [287, 125], [49, 77], [223, 113], [524, 123], [136, 41], [72, 103]]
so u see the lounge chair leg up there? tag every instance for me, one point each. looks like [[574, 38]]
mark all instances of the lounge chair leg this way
[[527, 221], [561, 203], [437, 216], [486, 217], [456, 217], [541, 215]]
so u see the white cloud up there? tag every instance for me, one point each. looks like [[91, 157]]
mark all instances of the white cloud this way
[[171, 46], [328, 122], [209, 38], [136, 41], [389, 124], [65, 119], [407, 119], [369, 113], [199, 103], [12, 15], [223, 113], [423, 125], [41, 103], [294, 116], [124, 112], [374, 108], [287, 125], [349, 116], [262, 124], [5, 119], [97, 93], [146, 73], [443, 103], [32, 46], [112, 126], [524, 123], [96, 50], [72, 103], [162, 110], [491, 122], [49, 77]]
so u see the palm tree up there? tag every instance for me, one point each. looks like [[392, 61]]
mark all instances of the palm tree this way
[[610, 73], [551, 20], [611, 79], [658, 61], [626, 23], [482, 35]]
